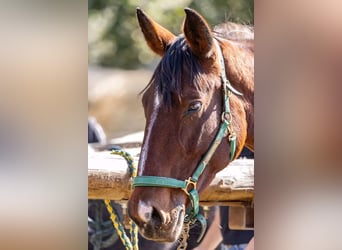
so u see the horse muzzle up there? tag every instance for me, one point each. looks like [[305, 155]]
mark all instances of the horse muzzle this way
[[157, 223]]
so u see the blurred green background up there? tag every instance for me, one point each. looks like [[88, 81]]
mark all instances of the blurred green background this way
[[115, 40]]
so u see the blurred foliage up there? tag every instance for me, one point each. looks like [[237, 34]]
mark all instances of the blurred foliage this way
[[114, 37]]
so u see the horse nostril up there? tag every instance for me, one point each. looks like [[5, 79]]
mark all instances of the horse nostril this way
[[148, 214], [156, 218]]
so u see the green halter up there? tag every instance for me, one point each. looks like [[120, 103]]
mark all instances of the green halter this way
[[189, 185]]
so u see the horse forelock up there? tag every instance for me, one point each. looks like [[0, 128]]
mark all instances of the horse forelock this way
[[170, 77]]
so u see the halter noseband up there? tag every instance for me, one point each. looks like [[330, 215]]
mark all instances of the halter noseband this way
[[189, 185]]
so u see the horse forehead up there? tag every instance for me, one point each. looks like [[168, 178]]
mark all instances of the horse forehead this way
[[153, 101]]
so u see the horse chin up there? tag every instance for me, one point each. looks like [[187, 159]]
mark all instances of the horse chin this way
[[165, 232]]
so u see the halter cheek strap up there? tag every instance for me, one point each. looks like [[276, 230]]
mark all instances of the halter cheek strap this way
[[189, 185]]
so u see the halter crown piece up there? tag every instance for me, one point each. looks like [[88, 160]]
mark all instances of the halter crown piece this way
[[189, 185]]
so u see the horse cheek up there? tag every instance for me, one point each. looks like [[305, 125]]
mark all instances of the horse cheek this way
[[185, 137]]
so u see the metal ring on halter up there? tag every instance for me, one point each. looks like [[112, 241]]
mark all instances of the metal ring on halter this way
[[227, 117]]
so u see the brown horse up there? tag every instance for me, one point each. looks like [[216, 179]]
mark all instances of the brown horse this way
[[184, 107]]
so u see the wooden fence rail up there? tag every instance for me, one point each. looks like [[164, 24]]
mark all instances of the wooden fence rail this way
[[108, 178]]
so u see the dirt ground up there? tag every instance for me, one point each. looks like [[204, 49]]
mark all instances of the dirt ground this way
[[114, 100]]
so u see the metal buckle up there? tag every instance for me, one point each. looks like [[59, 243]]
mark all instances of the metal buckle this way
[[188, 182], [231, 133], [231, 136]]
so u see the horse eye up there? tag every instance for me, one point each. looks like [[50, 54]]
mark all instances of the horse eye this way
[[195, 106]]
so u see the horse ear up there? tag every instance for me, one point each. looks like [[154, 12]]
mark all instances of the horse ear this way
[[156, 36], [197, 33]]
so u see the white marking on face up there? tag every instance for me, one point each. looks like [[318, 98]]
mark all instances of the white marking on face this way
[[144, 150]]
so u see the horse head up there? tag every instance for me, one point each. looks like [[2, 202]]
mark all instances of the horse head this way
[[183, 105]]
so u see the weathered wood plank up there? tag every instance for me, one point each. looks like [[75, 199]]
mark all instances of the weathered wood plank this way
[[108, 178]]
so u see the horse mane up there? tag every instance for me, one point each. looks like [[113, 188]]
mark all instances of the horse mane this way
[[234, 31], [241, 35], [167, 77]]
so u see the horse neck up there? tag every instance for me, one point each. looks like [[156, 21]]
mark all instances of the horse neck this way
[[240, 71]]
